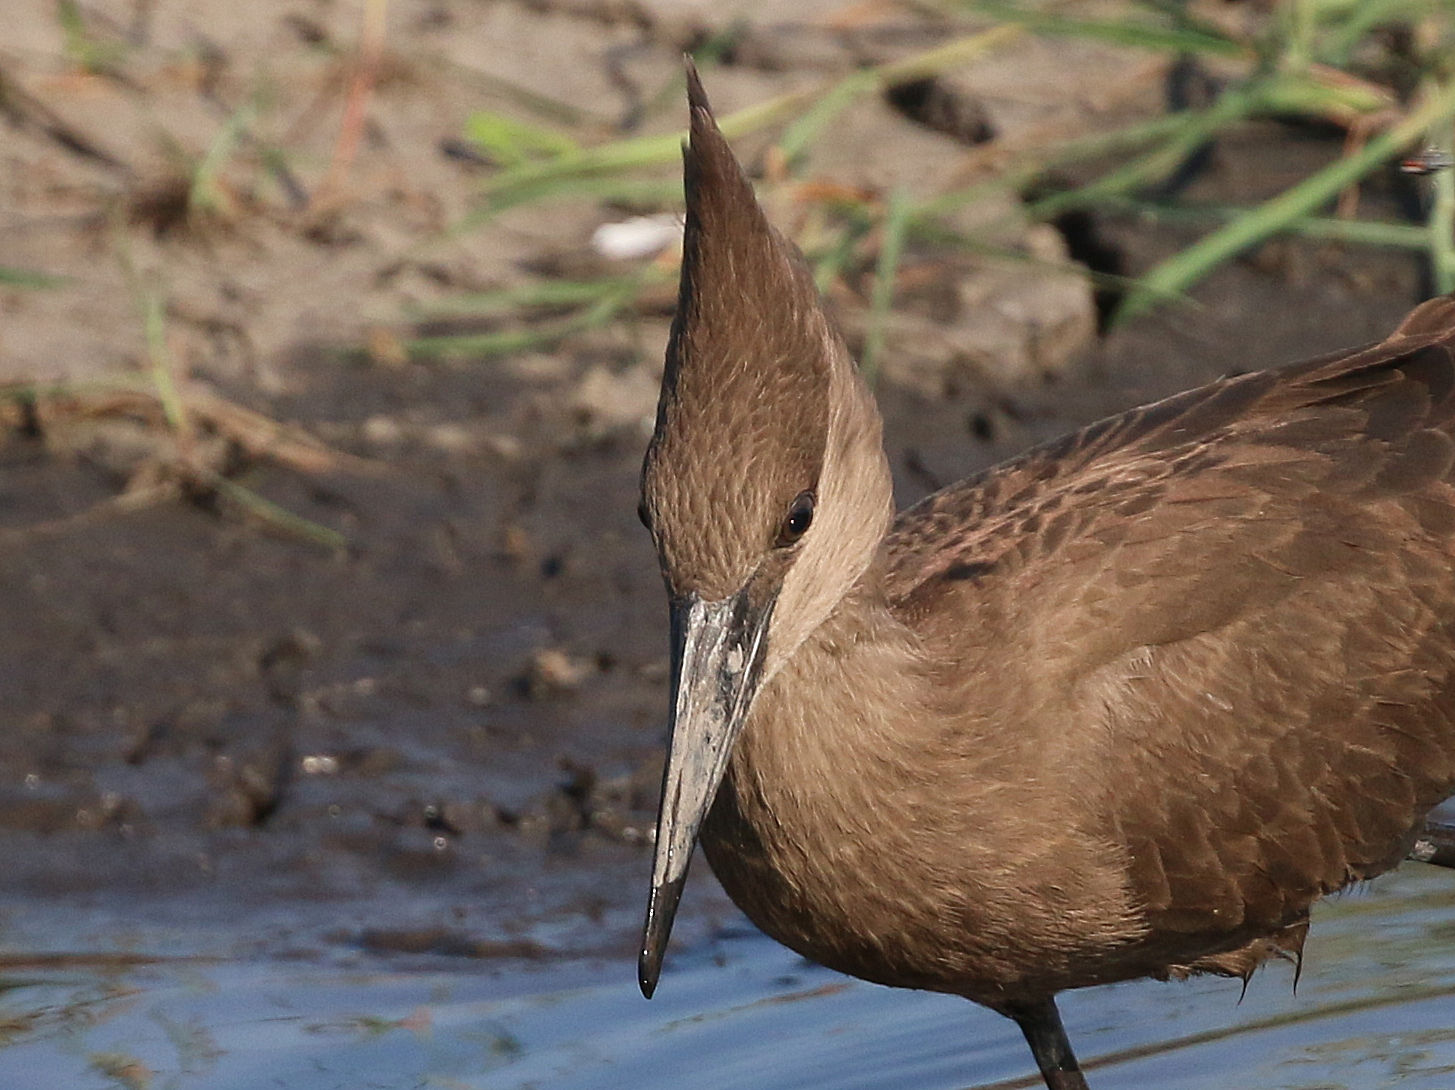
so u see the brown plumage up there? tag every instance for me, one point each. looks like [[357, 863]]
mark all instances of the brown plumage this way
[[1124, 706]]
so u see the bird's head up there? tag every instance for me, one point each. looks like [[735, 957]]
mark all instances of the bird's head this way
[[765, 487]]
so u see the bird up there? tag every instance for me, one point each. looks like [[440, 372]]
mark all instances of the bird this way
[[1124, 706]]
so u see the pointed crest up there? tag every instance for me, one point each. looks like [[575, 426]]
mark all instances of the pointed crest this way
[[737, 270], [747, 369]]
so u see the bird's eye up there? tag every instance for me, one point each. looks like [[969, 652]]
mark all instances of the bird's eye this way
[[798, 519], [646, 519]]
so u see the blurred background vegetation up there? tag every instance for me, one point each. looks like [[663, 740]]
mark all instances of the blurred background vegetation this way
[[278, 151]]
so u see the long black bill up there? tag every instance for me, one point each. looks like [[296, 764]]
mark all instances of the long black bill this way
[[717, 657]]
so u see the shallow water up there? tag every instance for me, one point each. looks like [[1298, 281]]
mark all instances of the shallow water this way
[[1375, 1008]]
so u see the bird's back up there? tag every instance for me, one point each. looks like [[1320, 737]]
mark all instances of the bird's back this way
[[1229, 619]]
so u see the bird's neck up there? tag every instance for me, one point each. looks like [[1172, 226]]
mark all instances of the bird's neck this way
[[830, 768], [865, 698]]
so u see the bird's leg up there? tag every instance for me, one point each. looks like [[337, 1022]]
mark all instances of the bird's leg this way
[[1040, 1021]]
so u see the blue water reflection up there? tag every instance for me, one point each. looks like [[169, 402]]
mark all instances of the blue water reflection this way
[[1375, 1008]]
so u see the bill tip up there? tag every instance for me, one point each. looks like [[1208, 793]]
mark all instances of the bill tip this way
[[648, 970]]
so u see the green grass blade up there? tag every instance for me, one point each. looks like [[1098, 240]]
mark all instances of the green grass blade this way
[[806, 129], [1236, 105], [202, 194], [11, 277], [84, 49], [162, 367], [633, 154], [1398, 236], [1441, 219], [510, 142], [1179, 133], [944, 58], [610, 189], [1029, 165], [548, 294], [896, 222], [517, 184], [1185, 38], [1178, 273], [498, 342], [831, 263], [1295, 22], [1362, 17], [1340, 101], [281, 517], [502, 342], [937, 234]]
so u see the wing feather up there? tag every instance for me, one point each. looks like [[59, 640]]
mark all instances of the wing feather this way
[[1245, 592]]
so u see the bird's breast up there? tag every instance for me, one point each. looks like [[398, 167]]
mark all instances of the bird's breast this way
[[893, 862]]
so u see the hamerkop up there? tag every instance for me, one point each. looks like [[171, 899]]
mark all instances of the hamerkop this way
[[1125, 706]]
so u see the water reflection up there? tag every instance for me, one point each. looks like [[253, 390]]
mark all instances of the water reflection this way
[[1376, 1008]]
